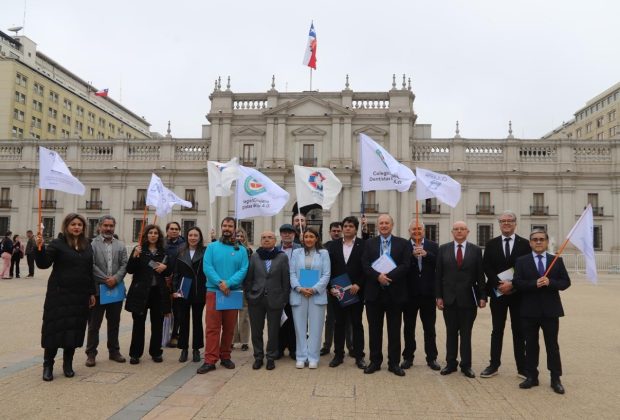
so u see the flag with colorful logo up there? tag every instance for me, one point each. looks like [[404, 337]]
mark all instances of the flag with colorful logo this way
[[221, 177], [310, 54], [431, 184], [316, 186], [380, 170], [257, 195], [162, 198]]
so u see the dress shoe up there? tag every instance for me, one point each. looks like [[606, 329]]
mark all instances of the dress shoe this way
[[324, 351], [448, 370], [29, 275], [372, 368], [468, 372], [90, 361], [292, 355], [396, 370], [67, 369], [528, 383], [488, 372], [48, 374], [360, 363], [227, 363], [336, 361], [206, 367], [245, 347], [557, 387], [406, 364], [183, 356], [271, 365], [195, 355], [258, 363], [134, 360], [157, 359], [117, 357], [433, 365]]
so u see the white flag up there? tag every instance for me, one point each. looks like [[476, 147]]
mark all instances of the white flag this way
[[162, 198], [55, 175], [431, 184], [316, 186], [582, 236], [221, 177], [257, 195], [379, 169]]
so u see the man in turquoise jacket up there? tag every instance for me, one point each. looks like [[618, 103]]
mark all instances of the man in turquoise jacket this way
[[225, 264]]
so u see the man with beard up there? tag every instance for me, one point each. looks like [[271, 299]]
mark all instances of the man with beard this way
[[299, 223]]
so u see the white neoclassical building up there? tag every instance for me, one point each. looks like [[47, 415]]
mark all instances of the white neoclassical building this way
[[546, 182]]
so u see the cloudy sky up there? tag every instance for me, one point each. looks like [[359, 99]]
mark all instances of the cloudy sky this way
[[482, 62]]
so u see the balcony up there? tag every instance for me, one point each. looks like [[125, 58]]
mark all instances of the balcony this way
[[5, 204], [596, 211], [48, 204], [485, 209], [138, 205], [371, 208], [248, 161], [431, 209], [307, 161], [539, 210], [93, 205], [194, 205]]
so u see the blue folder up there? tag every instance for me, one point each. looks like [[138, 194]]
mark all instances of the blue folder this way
[[342, 284], [234, 300], [115, 294], [308, 278], [186, 283]]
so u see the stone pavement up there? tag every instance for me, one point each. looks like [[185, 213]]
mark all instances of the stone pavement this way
[[589, 342]]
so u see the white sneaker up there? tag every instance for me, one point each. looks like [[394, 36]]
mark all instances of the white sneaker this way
[[313, 365], [300, 365]]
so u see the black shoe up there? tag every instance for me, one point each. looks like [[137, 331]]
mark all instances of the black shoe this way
[[244, 347], [351, 354], [292, 355], [183, 356], [48, 374], [372, 368], [227, 363], [396, 370], [360, 363], [488, 372], [206, 367], [406, 364], [468, 372], [557, 386], [433, 365], [117, 357], [324, 351], [448, 370], [134, 360], [336, 361], [195, 355], [271, 365], [258, 363], [158, 359], [528, 383], [67, 369]]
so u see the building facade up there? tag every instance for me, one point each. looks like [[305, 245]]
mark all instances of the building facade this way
[[40, 99]]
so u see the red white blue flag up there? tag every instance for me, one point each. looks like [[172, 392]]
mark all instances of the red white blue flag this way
[[103, 93], [310, 55]]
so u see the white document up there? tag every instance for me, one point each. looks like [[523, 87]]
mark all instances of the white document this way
[[384, 264], [283, 318], [504, 276]]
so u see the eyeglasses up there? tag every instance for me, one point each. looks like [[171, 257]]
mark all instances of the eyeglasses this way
[[506, 222], [538, 239]]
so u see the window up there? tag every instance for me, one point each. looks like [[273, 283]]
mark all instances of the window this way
[[589, 127], [599, 136], [248, 226], [248, 157], [64, 133], [95, 199], [372, 228], [598, 237], [91, 231], [101, 122], [91, 131], [18, 115], [37, 89], [612, 132], [599, 122], [430, 206], [5, 223], [484, 203], [370, 202], [66, 119], [48, 228], [37, 106], [21, 80], [67, 104], [20, 98], [5, 200], [187, 225], [79, 111], [48, 201], [51, 128], [100, 135], [53, 97], [18, 133], [190, 195], [111, 127], [578, 134], [36, 122], [538, 208], [140, 202], [79, 126], [51, 112], [485, 233], [137, 225], [611, 116], [308, 158], [593, 201], [539, 227], [431, 232], [91, 117]]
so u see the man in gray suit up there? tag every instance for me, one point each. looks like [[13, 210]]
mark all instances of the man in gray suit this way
[[459, 289], [267, 286]]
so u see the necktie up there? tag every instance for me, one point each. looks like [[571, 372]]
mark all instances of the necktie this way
[[507, 248], [541, 267], [268, 265], [459, 256], [386, 244]]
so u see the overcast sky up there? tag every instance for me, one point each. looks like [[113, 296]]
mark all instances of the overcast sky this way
[[480, 62]]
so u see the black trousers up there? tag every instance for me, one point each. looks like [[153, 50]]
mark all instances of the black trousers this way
[[14, 265], [330, 322], [348, 316], [375, 313], [50, 353], [459, 323], [499, 312], [287, 338], [198, 333], [550, 328], [30, 259], [112, 312], [175, 319], [258, 311], [425, 305], [153, 305]]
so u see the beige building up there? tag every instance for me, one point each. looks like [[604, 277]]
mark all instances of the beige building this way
[[599, 119], [40, 99]]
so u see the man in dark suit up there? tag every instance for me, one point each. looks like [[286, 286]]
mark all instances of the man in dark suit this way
[[541, 307], [421, 288], [267, 287], [385, 294], [287, 337], [500, 254], [345, 255], [460, 289]]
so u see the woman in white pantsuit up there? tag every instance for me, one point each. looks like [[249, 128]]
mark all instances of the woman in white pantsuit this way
[[309, 303]]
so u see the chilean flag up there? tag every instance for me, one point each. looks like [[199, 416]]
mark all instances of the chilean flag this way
[[103, 93], [310, 56]]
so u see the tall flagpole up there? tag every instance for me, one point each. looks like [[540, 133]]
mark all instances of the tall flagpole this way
[[310, 79], [40, 229]]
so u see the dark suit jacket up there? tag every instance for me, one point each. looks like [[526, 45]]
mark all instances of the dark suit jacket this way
[[353, 267], [276, 282], [494, 260], [454, 284], [422, 283], [540, 302], [400, 251]]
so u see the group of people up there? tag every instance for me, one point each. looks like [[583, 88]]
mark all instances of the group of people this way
[[12, 251], [290, 285]]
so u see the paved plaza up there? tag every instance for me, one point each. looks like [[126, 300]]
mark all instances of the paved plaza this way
[[589, 344]]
